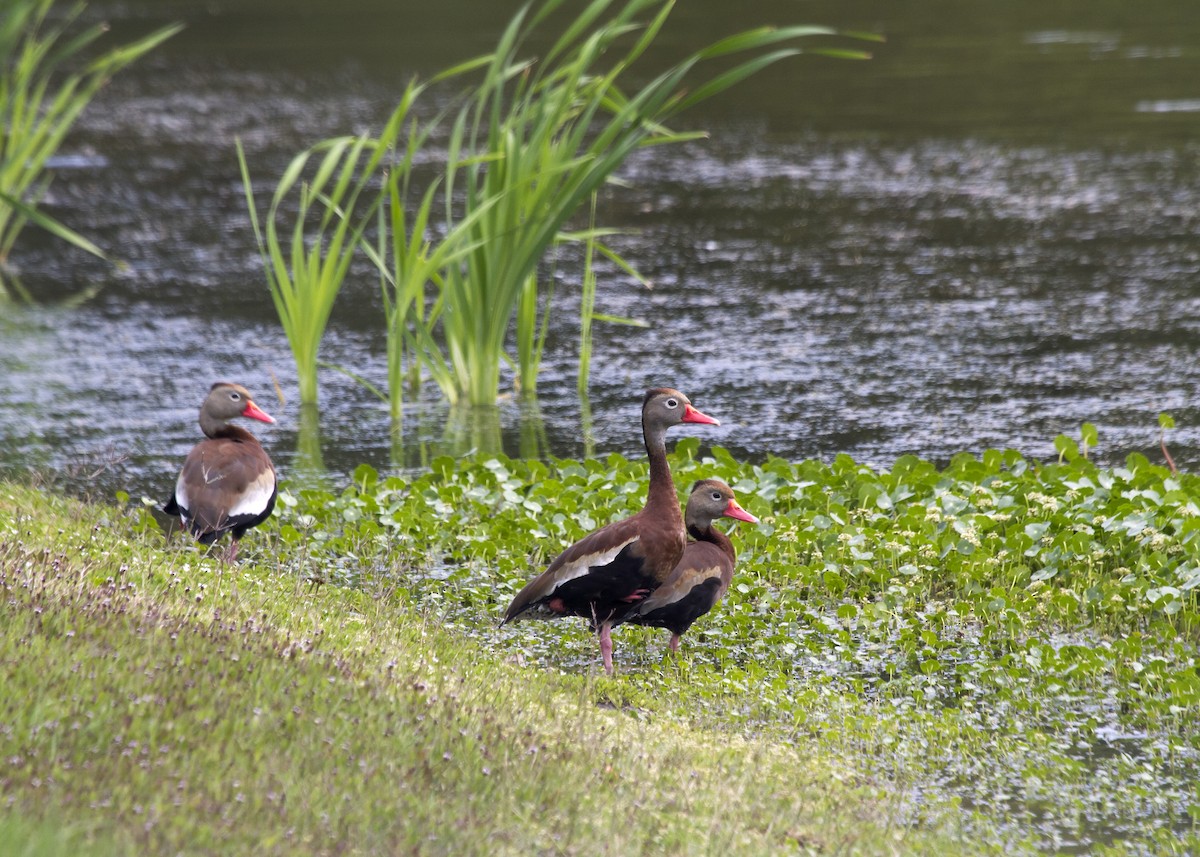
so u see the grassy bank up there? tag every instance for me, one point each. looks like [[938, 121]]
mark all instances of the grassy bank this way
[[995, 656], [153, 704]]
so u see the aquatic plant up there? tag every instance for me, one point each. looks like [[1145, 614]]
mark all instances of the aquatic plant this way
[[40, 100], [1022, 636], [587, 299], [306, 265], [1166, 422], [356, 180], [407, 258], [528, 145], [533, 142]]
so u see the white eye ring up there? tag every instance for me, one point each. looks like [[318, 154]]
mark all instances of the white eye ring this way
[[716, 495], [235, 396], [672, 403]]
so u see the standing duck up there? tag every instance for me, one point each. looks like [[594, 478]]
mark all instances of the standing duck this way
[[706, 569], [227, 483], [605, 573]]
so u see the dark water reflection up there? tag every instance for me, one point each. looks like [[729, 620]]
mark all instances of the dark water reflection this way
[[983, 237]]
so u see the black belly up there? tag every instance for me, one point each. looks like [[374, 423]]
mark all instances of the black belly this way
[[679, 615], [600, 595]]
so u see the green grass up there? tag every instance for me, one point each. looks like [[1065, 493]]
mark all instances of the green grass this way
[[51, 837], [166, 707], [995, 656]]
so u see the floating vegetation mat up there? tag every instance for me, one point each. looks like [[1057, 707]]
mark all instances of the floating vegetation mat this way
[[1013, 638]]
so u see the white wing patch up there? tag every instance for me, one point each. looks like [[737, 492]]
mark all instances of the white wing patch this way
[[256, 496], [581, 565], [181, 497]]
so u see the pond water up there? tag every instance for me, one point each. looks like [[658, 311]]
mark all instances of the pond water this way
[[982, 237]]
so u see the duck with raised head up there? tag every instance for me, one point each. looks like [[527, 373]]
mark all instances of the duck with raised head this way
[[704, 573], [227, 484], [604, 574]]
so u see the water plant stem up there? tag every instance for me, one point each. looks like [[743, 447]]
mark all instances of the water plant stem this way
[[530, 143], [306, 266]]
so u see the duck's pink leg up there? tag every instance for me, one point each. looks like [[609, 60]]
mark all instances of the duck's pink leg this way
[[674, 644], [606, 646]]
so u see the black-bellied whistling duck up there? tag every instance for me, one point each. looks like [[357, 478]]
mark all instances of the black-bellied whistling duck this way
[[227, 484], [703, 575], [604, 574]]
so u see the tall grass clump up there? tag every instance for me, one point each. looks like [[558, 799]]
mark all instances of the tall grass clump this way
[[332, 207], [462, 256], [40, 100], [534, 140], [307, 264], [408, 260]]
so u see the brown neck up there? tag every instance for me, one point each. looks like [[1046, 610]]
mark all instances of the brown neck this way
[[216, 428], [211, 426], [661, 496], [709, 533]]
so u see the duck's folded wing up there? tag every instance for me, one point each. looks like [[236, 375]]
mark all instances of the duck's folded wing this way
[[218, 491], [600, 566], [695, 585]]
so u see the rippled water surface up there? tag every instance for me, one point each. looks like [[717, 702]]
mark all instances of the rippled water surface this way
[[984, 236]]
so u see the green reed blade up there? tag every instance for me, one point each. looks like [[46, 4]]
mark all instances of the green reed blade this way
[[40, 100], [530, 143]]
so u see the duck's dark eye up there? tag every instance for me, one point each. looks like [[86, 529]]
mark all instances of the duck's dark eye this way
[[716, 495], [235, 396], [672, 403]]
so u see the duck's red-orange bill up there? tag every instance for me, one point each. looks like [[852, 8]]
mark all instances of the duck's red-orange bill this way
[[733, 510], [253, 412], [691, 415]]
